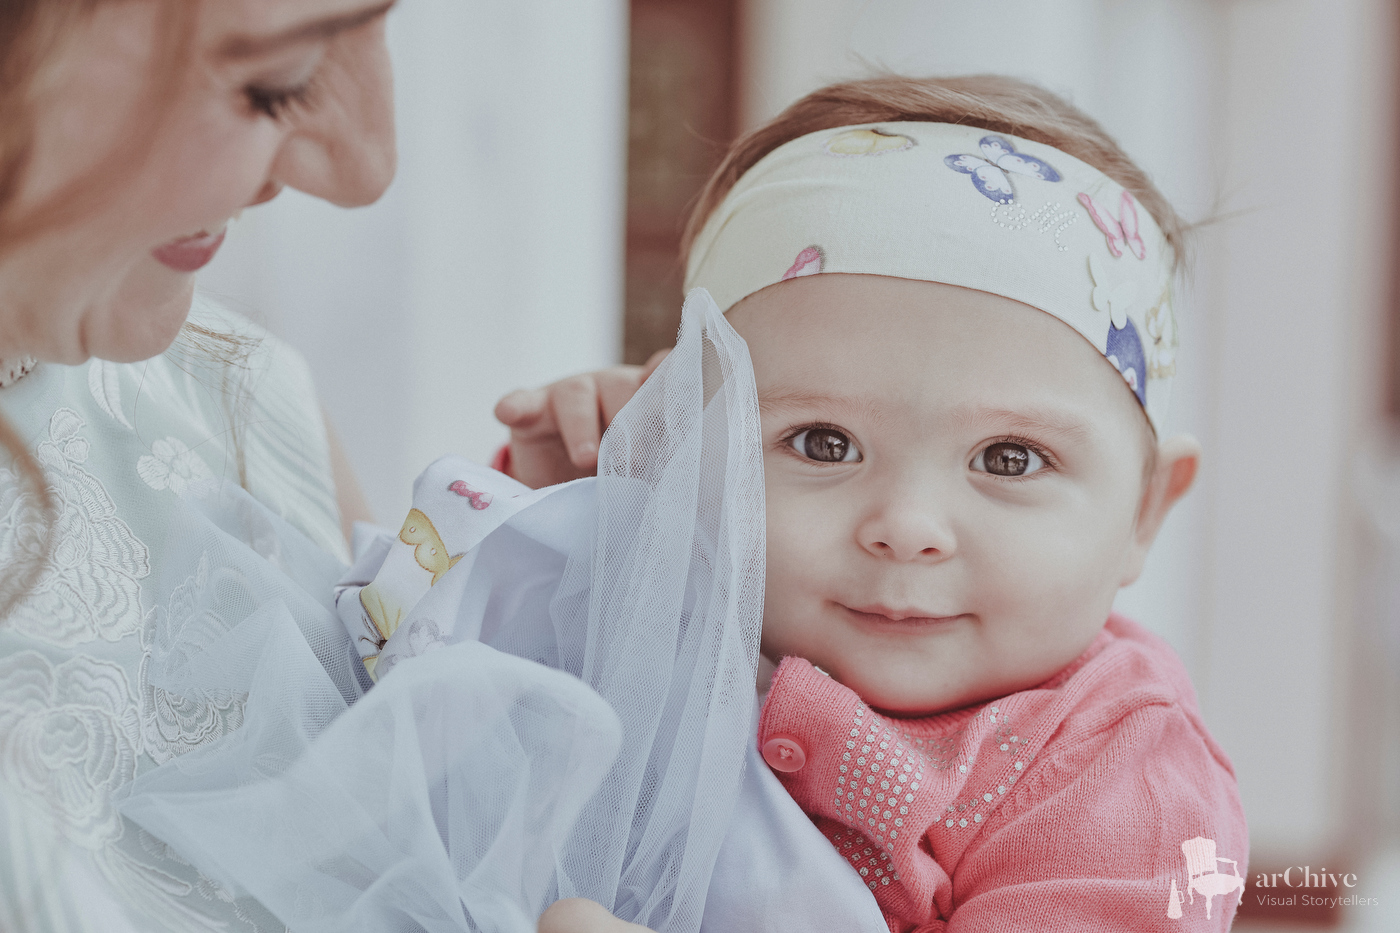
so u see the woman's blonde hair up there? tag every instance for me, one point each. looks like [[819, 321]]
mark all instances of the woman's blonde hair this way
[[990, 102], [32, 36], [32, 33]]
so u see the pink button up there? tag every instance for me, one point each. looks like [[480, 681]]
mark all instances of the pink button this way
[[783, 753]]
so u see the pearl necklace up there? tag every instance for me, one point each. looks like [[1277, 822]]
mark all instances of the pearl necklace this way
[[11, 371]]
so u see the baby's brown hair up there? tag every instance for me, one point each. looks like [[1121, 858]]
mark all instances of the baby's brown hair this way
[[991, 102]]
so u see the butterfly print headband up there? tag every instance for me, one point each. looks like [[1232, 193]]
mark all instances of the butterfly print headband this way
[[954, 204]]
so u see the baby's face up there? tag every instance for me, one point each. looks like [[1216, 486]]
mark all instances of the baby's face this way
[[953, 480]]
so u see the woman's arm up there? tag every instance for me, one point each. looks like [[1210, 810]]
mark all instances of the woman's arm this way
[[348, 494]]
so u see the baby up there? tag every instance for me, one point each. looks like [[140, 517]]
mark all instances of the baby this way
[[957, 297], [954, 299]]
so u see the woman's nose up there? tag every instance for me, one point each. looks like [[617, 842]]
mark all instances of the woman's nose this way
[[907, 531], [267, 192], [342, 145]]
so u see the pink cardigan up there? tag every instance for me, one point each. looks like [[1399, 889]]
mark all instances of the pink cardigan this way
[[1095, 801]]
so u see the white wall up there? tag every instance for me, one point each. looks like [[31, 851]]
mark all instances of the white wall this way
[[493, 262], [1276, 109], [1299, 282]]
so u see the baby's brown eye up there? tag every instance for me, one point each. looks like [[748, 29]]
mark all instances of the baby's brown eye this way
[[1006, 459], [825, 445]]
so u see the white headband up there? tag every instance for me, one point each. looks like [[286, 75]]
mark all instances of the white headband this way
[[944, 203]]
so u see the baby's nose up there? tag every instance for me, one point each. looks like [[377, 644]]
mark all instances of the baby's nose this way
[[907, 534]]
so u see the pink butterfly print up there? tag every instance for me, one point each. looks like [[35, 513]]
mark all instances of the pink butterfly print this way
[[809, 262], [1119, 231], [478, 499]]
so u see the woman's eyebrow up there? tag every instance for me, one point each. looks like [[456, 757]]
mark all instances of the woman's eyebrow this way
[[251, 46]]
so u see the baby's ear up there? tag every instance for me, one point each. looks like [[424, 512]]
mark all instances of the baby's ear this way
[[1178, 459]]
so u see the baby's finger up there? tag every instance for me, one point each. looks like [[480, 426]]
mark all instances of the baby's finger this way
[[652, 362], [575, 405], [616, 387], [522, 407], [577, 915]]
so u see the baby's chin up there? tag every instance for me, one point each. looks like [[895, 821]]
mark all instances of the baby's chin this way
[[908, 697]]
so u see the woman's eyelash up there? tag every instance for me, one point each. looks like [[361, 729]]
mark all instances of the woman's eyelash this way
[[274, 102]]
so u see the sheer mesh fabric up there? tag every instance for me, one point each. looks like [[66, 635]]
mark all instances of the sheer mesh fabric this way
[[578, 730]]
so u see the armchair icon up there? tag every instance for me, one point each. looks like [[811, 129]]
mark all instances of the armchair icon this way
[[1202, 874]]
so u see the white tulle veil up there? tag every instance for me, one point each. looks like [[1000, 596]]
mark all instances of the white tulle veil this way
[[568, 718]]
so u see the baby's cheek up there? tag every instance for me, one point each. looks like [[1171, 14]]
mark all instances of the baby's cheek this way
[[799, 552], [1028, 572], [801, 528]]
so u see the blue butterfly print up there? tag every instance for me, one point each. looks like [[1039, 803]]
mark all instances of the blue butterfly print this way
[[989, 170], [1124, 351]]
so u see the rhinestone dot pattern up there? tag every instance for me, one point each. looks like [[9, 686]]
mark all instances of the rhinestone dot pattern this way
[[879, 775], [897, 798]]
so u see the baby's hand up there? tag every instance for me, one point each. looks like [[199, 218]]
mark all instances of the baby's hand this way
[[577, 915], [555, 431]]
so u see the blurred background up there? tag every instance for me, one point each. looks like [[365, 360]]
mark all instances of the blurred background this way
[[550, 149]]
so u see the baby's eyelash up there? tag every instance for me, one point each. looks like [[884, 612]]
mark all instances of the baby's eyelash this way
[[1050, 460], [275, 102], [786, 437]]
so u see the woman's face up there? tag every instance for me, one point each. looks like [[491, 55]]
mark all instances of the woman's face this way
[[273, 93]]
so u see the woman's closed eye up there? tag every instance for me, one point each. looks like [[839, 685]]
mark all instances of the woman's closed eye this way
[[276, 101], [291, 84], [825, 445], [1008, 458]]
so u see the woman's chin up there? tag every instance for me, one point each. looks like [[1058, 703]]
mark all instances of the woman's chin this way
[[142, 323]]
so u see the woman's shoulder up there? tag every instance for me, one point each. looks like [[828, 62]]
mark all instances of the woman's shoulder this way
[[272, 410], [145, 560], [229, 401]]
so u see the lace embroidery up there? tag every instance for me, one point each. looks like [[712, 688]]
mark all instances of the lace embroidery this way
[[172, 465], [91, 588], [104, 382], [68, 739], [174, 633]]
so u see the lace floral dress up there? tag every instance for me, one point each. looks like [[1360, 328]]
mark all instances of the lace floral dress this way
[[127, 449]]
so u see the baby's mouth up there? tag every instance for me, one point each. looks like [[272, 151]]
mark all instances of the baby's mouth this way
[[899, 618]]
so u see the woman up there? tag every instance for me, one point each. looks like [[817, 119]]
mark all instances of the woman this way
[[131, 132]]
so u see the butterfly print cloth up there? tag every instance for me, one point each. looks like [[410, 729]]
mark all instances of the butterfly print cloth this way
[[958, 205]]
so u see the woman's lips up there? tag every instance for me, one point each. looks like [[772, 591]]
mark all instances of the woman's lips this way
[[191, 253], [885, 617]]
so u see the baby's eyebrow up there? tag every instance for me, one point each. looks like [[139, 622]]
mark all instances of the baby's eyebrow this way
[[1028, 420], [788, 398], [780, 399]]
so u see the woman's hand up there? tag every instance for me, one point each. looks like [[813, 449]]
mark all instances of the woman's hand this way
[[577, 915], [555, 431]]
